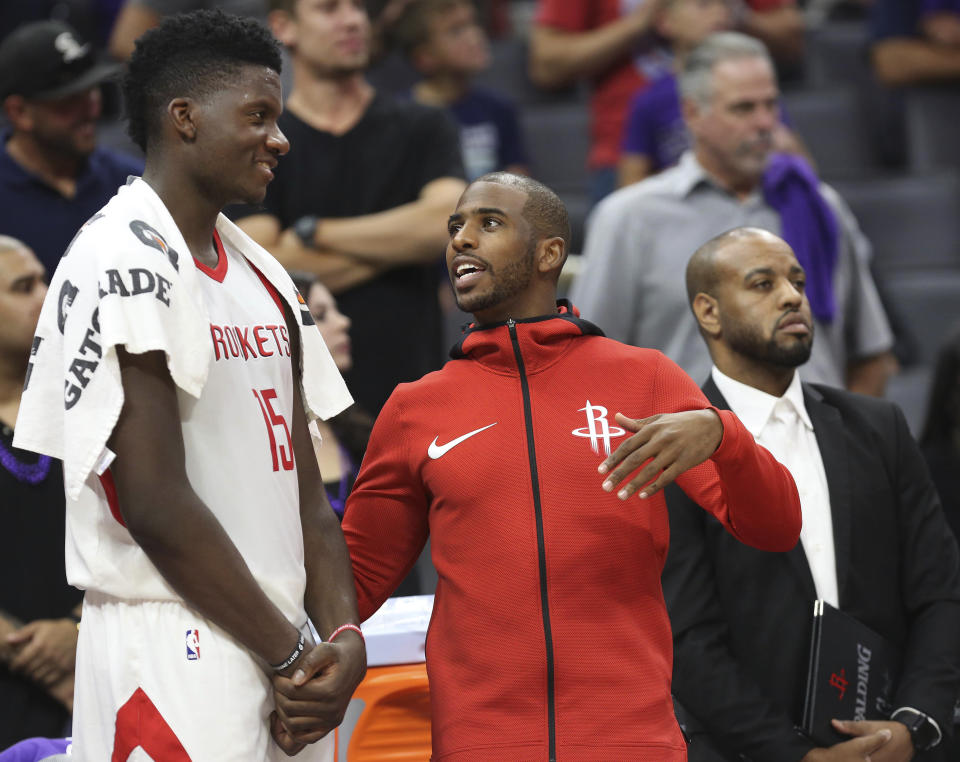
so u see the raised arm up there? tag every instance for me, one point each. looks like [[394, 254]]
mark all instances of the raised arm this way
[[713, 458], [558, 57], [176, 530]]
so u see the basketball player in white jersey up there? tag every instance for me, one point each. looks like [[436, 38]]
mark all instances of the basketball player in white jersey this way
[[175, 348]]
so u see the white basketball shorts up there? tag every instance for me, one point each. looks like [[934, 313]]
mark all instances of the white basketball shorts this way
[[157, 681]]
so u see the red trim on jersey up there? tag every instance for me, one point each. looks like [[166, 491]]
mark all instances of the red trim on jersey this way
[[139, 723], [219, 272], [106, 481], [270, 289]]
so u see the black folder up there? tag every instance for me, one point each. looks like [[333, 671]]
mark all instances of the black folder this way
[[852, 674]]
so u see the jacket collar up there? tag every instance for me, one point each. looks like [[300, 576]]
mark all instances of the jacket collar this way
[[542, 340]]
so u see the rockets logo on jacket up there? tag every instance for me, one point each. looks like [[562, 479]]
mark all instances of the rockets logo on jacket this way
[[598, 428]]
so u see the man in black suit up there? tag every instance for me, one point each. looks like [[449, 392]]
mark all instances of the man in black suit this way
[[875, 542]]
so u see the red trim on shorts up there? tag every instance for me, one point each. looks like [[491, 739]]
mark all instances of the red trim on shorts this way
[[270, 289], [139, 723], [219, 272], [110, 488]]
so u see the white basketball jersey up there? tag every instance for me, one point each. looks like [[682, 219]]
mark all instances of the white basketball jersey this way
[[239, 455]]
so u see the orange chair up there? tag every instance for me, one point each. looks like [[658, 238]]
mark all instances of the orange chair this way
[[388, 719]]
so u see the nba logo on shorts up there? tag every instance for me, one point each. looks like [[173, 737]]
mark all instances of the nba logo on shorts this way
[[193, 645]]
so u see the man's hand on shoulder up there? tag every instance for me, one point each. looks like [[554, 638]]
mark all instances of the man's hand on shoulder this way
[[312, 696], [877, 741], [663, 447]]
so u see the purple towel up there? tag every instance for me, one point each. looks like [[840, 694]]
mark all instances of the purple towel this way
[[34, 749], [808, 224]]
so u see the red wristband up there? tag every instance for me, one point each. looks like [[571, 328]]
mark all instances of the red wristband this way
[[343, 627]]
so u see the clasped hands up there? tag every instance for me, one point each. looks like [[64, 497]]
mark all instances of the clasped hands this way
[[663, 447], [43, 651], [312, 694]]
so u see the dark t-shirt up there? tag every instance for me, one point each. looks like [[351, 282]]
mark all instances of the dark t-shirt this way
[[894, 18], [490, 133], [384, 161], [34, 583], [41, 217]]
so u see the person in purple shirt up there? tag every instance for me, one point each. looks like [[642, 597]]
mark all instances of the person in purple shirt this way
[[53, 177], [655, 134]]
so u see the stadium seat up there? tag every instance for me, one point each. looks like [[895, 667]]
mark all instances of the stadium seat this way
[[913, 222], [388, 719], [932, 115], [558, 140], [837, 53], [508, 74], [929, 301], [578, 206], [831, 124], [910, 389]]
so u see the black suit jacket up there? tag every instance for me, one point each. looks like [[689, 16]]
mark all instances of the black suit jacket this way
[[742, 617]]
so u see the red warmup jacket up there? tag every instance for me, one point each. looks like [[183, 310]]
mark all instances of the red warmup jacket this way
[[549, 638]]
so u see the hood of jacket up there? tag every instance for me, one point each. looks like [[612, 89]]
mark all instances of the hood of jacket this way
[[541, 340]]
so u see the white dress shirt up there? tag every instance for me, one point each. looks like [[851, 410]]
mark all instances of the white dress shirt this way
[[781, 425]]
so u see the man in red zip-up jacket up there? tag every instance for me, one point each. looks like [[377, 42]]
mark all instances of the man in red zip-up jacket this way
[[550, 639]]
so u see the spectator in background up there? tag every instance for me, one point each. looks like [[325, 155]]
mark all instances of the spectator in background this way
[[874, 541], [631, 283], [53, 177], [444, 41], [601, 41], [655, 135], [38, 609], [137, 16], [344, 437], [611, 43], [915, 42], [940, 440], [363, 198]]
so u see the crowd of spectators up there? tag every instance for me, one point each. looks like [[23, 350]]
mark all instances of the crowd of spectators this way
[[684, 137]]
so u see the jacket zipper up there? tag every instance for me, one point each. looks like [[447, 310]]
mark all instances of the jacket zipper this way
[[541, 548]]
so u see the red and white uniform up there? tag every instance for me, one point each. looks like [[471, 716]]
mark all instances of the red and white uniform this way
[[184, 689], [153, 677], [239, 457], [549, 637]]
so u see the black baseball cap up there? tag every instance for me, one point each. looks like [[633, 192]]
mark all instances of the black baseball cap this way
[[47, 60]]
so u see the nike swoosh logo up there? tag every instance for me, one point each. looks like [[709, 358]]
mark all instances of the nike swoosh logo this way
[[438, 451]]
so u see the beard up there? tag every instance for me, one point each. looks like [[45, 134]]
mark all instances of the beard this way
[[509, 281], [747, 340]]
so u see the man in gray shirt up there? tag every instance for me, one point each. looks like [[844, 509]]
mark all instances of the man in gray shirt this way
[[639, 239]]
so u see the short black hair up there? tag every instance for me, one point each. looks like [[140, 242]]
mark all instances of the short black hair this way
[[412, 27], [543, 209], [701, 273], [190, 54]]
